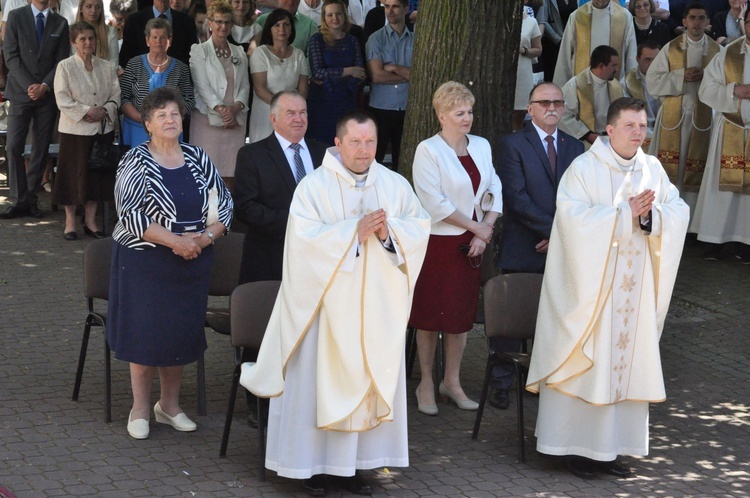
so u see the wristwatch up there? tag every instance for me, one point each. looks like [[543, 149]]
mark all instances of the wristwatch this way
[[210, 236]]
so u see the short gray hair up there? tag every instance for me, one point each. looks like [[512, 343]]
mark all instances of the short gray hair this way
[[275, 99], [157, 23]]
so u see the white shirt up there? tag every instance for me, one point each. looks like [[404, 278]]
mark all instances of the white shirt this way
[[543, 136], [289, 153]]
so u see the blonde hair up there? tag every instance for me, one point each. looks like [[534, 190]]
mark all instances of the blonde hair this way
[[100, 29], [449, 95], [327, 36], [219, 7]]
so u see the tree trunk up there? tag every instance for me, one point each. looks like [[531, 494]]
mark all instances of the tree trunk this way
[[474, 42]]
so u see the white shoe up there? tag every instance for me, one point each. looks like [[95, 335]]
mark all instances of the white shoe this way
[[139, 428], [181, 422]]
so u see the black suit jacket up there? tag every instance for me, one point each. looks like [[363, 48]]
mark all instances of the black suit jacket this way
[[184, 35], [529, 194], [264, 186], [27, 64]]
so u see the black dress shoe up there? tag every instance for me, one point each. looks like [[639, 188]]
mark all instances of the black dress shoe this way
[[35, 213], [581, 467], [96, 234], [316, 485], [500, 399], [615, 469], [70, 236], [15, 212], [356, 485]]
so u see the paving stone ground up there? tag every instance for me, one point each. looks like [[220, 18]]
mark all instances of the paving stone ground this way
[[52, 446]]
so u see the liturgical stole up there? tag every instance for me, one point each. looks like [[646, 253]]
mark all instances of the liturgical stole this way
[[586, 107], [735, 149], [618, 23], [671, 124]]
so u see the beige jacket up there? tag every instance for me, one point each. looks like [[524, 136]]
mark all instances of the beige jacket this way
[[77, 90]]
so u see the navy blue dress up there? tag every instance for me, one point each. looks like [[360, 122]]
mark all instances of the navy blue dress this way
[[157, 300], [330, 95]]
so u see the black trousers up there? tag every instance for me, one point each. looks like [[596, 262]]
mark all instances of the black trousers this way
[[25, 184], [390, 129]]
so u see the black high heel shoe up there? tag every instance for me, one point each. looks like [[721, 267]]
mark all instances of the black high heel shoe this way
[[96, 234]]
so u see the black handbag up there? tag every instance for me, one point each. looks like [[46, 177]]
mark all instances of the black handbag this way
[[105, 153]]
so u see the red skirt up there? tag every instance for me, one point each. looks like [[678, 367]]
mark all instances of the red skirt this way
[[447, 290]]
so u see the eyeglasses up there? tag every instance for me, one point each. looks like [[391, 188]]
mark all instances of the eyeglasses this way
[[221, 23], [547, 103]]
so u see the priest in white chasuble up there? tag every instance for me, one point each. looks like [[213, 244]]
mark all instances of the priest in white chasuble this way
[[612, 261], [332, 359]]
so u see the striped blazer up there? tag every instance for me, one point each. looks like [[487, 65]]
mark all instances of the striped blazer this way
[[142, 199], [134, 83]]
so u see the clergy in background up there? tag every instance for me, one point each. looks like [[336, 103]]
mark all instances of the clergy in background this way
[[332, 359], [683, 124], [634, 84], [613, 255], [598, 22], [721, 213]]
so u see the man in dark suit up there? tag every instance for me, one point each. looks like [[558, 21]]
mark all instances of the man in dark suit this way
[[535, 159], [184, 33], [266, 175], [36, 39]]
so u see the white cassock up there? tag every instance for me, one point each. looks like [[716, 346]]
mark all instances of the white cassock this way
[[722, 216], [652, 103], [571, 121], [332, 359], [661, 83], [605, 296], [565, 67]]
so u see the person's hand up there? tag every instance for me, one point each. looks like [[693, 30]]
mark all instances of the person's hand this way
[[187, 246], [483, 231], [372, 223], [693, 74], [355, 72], [641, 204], [741, 91], [391, 68], [476, 247], [95, 115], [36, 91], [542, 246]]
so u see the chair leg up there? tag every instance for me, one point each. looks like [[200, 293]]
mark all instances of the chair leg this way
[[519, 404], [107, 383], [411, 350], [230, 410], [440, 358], [82, 358], [483, 399], [262, 423], [201, 381]]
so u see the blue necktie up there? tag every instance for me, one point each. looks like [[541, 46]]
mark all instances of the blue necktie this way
[[39, 28], [299, 166]]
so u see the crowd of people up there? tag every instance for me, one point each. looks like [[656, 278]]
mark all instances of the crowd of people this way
[[300, 165]]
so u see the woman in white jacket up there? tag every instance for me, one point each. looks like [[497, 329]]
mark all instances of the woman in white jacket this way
[[456, 182], [222, 88]]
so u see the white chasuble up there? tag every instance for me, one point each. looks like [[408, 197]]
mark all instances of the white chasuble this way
[[604, 299], [332, 355]]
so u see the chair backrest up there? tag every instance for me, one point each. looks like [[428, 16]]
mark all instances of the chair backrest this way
[[250, 308], [511, 303], [225, 265], [97, 262]]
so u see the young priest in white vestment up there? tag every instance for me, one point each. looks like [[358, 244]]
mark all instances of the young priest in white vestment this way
[[613, 255], [332, 359]]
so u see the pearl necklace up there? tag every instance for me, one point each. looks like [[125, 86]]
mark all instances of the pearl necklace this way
[[222, 53], [157, 66]]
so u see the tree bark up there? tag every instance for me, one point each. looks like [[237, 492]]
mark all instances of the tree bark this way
[[474, 42]]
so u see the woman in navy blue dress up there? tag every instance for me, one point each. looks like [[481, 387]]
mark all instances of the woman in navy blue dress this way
[[337, 72], [172, 205]]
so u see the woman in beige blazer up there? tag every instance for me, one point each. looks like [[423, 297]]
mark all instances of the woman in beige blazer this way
[[222, 87], [87, 92]]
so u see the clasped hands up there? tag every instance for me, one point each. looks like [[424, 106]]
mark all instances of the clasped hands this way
[[36, 91], [228, 114], [482, 236], [641, 204], [693, 74], [741, 91], [95, 115], [374, 222], [190, 245]]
